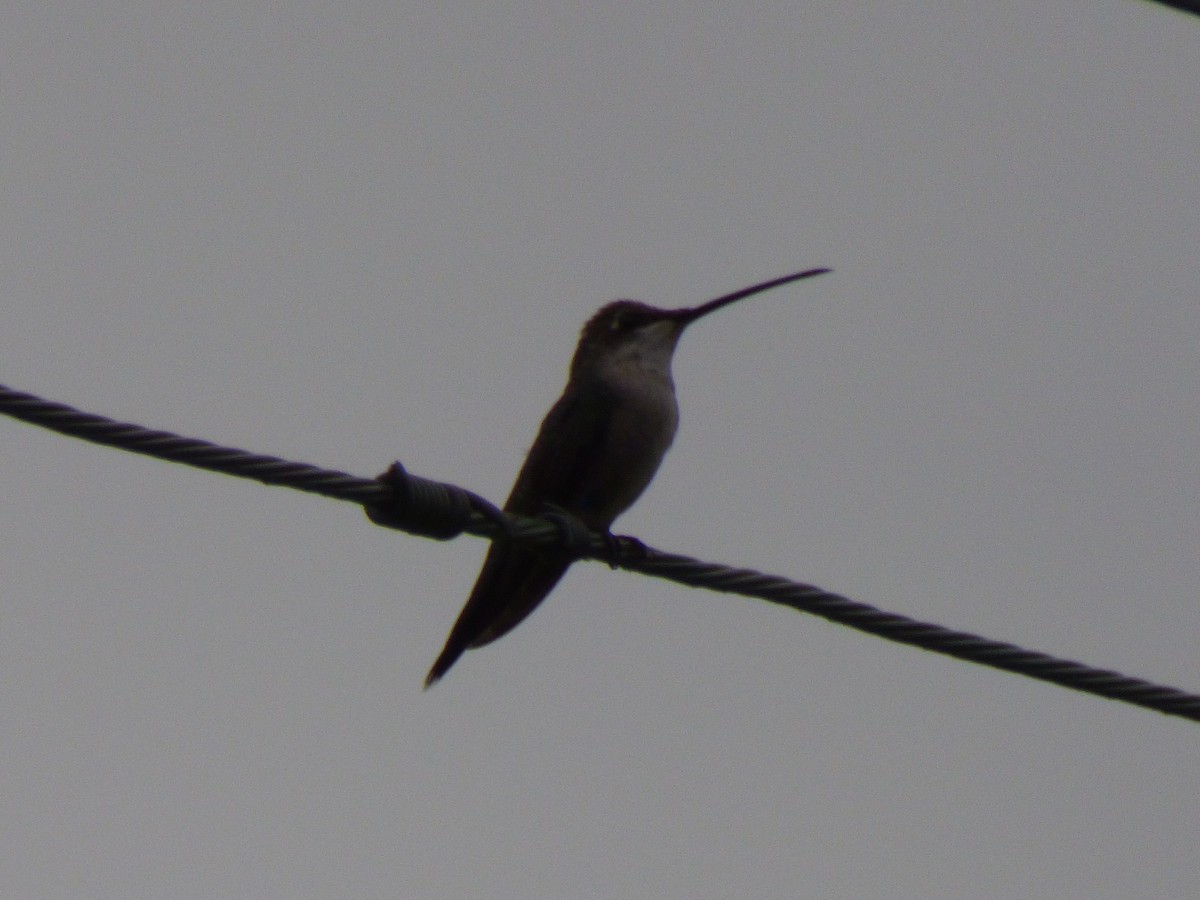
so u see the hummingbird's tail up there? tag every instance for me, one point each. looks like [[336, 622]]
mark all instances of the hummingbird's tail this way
[[449, 656], [513, 582]]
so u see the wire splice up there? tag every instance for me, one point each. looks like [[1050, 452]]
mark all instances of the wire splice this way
[[420, 506]]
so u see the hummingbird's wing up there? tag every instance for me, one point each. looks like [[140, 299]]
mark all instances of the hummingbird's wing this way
[[566, 466], [559, 470]]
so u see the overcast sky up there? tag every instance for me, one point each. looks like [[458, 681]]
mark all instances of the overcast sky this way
[[347, 233]]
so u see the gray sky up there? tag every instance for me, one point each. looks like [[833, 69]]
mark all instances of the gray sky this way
[[347, 233]]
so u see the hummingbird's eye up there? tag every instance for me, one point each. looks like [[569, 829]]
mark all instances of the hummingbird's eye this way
[[626, 320]]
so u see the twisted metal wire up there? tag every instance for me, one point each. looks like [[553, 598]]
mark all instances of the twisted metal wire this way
[[959, 644], [420, 506], [189, 451]]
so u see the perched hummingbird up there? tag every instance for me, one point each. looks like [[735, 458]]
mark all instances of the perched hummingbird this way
[[597, 450]]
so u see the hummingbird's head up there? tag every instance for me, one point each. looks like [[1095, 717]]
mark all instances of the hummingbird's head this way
[[628, 331], [635, 333]]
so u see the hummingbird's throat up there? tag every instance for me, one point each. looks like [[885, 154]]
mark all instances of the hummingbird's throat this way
[[649, 349]]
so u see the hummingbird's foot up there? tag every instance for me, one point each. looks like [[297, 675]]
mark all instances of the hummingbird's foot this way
[[576, 536], [624, 546], [612, 549]]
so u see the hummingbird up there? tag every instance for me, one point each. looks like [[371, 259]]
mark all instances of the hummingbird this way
[[597, 450]]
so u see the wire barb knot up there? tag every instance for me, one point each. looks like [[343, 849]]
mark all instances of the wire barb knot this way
[[421, 506]]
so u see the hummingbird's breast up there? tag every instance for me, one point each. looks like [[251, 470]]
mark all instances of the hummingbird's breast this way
[[601, 443], [640, 431]]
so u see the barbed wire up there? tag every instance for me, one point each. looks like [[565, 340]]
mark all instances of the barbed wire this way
[[439, 510]]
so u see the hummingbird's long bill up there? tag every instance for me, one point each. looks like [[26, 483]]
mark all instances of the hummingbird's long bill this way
[[695, 312]]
